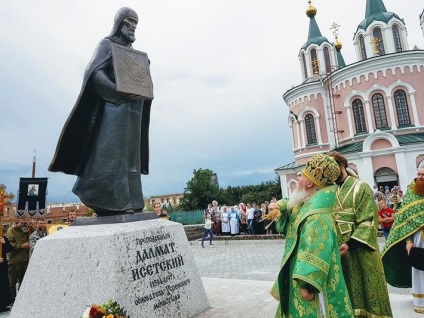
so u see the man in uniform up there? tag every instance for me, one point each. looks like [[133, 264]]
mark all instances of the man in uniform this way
[[40, 232], [355, 213], [18, 235], [310, 282]]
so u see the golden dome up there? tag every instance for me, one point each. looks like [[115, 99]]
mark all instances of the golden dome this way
[[311, 11], [338, 45]]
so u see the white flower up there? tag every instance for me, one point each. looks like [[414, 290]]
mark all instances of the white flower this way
[[86, 313]]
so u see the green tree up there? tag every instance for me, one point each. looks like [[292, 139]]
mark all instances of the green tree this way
[[254, 193], [201, 189]]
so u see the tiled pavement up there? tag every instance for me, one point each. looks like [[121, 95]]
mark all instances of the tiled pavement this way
[[238, 275]]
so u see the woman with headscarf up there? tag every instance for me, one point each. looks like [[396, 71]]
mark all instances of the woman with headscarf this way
[[243, 218], [234, 221], [225, 221]]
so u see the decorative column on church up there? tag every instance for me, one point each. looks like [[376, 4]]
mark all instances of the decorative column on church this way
[[349, 119], [369, 118], [299, 145], [318, 129], [302, 130], [414, 109], [391, 112]]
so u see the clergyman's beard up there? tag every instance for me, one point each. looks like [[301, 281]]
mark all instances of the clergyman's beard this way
[[419, 187], [128, 34], [299, 195]]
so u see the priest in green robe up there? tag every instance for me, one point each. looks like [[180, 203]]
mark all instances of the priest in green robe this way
[[310, 282], [356, 217], [407, 232]]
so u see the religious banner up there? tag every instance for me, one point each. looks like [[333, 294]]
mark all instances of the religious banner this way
[[32, 197]]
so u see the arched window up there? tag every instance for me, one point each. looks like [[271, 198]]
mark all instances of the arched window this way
[[396, 38], [305, 71], [379, 111], [362, 45], [379, 38], [314, 61], [327, 60], [310, 129], [402, 108], [358, 114]]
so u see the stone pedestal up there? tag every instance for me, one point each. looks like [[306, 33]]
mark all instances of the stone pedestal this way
[[146, 266]]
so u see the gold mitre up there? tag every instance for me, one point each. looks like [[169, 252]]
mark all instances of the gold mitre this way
[[321, 170]]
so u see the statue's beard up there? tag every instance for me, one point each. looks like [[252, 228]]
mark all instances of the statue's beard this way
[[298, 196], [128, 34], [419, 187]]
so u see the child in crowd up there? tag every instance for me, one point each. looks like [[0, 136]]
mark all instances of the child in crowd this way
[[208, 229]]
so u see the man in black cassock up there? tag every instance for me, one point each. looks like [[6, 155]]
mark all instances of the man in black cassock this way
[[4, 275], [105, 139]]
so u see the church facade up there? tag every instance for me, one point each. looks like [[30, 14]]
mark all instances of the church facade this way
[[371, 111]]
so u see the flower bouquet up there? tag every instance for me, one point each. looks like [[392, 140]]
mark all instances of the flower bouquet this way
[[110, 309]]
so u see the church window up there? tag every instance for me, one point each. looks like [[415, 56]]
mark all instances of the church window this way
[[362, 45], [358, 115], [310, 129], [402, 108], [315, 64], [379, 38], [327, 60], [379, 111], [305, 71], [396, 38]]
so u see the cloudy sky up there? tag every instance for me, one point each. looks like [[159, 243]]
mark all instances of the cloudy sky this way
[[219, 69]]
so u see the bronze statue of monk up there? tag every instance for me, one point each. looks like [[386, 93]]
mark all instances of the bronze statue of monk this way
[[104, 141]]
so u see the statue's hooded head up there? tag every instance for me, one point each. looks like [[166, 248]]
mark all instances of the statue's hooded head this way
[[122, 14]]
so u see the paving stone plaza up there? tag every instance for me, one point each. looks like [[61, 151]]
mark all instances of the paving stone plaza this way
[[238, 275]]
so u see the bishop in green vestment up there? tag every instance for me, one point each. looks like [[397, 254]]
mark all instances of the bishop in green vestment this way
[[355, 213], [310, 282]]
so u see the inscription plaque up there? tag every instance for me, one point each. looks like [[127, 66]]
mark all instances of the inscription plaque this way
[[146, 266], [132, 71]]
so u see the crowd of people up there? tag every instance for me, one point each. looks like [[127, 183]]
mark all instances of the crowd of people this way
[[389, 201], [245, 219], [17, 247], [393, 197]]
